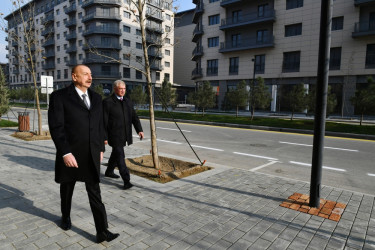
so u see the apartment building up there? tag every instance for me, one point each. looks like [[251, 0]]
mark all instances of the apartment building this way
[[239, 40], [103, 34]]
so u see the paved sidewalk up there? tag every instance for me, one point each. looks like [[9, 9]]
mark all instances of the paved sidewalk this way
[[224, 208]]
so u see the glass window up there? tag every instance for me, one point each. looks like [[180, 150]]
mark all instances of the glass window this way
[[236, 16], [138, 32], [106, 70], [262, 36], [166, 76], [292, 4], [126, 28], [370, 56], [167, 64], [126, 43], [126, 72], [138, 45], [262, 10], [291, 61], [212, 67], [293, 29], [260, 64], [337, 23], [335, 58], [233, 65], [167, 52], [127, 14], [138, 74], [236, 40], [215, 19], [213, 41]]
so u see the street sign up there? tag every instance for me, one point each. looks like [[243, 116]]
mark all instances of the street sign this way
[[44, 90], [46, 81]]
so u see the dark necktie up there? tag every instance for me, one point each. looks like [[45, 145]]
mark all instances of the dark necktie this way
[[121, 99], [85, 101]]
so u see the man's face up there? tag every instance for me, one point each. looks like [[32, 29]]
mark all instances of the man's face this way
[[120, 90], [82, 77]]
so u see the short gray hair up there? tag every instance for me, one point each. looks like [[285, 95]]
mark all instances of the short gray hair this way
[[118, 82]]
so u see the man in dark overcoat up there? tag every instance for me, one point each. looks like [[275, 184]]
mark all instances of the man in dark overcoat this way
[[119, 116], [75, 119]]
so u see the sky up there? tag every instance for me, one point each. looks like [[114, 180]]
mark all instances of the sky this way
[[6, 8]]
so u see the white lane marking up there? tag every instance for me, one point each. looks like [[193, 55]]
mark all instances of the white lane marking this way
[[307, 145], [257, 156], [372, 175], [174, 129], [174, 142], [215, 149], [309, 165], [263, 166]]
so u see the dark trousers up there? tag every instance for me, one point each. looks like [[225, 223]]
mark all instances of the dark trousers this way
[[117, 158], [95, 199]]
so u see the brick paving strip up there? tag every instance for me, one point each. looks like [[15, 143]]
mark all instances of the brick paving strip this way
[[327, 209]]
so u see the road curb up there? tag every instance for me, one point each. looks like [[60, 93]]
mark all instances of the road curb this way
[[288, 130]]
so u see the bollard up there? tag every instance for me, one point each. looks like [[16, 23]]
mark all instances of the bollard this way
[[23, 121]]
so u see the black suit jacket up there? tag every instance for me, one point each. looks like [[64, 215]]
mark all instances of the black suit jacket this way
[[118, 119], [77, 130]]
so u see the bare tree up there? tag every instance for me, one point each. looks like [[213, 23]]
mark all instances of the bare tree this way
[[151, 43], [23, 35]]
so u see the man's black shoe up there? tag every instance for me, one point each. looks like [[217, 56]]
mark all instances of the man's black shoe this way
[[128, 185], [112, 175], [106, 236], [66, 223]]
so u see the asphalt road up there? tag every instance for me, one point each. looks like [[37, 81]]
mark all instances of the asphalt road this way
[[348, 163]]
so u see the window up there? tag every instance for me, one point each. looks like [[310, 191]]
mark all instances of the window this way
[[106, 70], [233, 65], [126, 29], [168, 17], [65, 33], [337, 23], [126, 43], [80, 15], [213, 42], [126, 57], [57, 24], [167, 28], [212, 67], [65, 46], [293, 29], [236, 40], [212, 1], [138, 45], [126, 72], [292, 4], [335, 58], [65, 73], [105, 40], [80, 56], [167, 64], [57, 12], [58, 36], [138, 59], [157, 76], [167, 41], [58, 60], [370, 56], [58, 74], [80, 42], [262, 10], [236, 16], [291, 61], [167, 52], [166, 76], [262, 36], [127, 14], [58, 48], [65, 59], [138, 74], [259, 64], [80, 29], [215, 19], [138, 32]]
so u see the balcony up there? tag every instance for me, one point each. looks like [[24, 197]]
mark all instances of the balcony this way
[[6, 39], [155, 3], [196, 73], [48, 31], [48, 54], [198, 12], [49, 42], [227, 3], [93, 16], [14, 43], [50, 65], [363, 2], [71, 9], [197, 33], [16, 71], [7, 56], [15, 53], [33, 58], [101, 30], [197, 52], [155, 54], [246, 45], [156, 67], [155, 29], [157, 41], [71, 22], [49, 18], [15, 61], [102, 59], [157, 16], [71, 36], [87, 3], [229, 23], [71, 49], [363, 29], [71, 62], [6, 47], [6, 30], [106, 75], [98, 45]]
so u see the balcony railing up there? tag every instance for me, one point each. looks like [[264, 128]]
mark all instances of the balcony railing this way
[[101, 2], [71, 36], [102, 74], [98, 45], [100, 30], [198, 31], [49, 42], [155, 54], [92, 16], [48, 18], [197, 52], [72, 8], [364, 29], [254, 18], [155, 15], [71, 22], [48, 54], [155, 3], [14, 43], [7, 56], [226, 3], [198, 12], [15, 61], [6, 47], [16, 71], [71, 62], [363, 2], [196, 73], [156, 66], [102, 59], [246, 44], [156, 29], [154, 40], [48, 31], [71, 49], [50, 65]]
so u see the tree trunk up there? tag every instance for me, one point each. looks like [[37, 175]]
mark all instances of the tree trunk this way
[[291, 118], [252, 112], [360, 121], [237, 111]]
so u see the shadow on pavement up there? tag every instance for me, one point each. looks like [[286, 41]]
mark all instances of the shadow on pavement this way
[[33, 162]]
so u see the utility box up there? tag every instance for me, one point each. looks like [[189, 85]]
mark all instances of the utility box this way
[[23, 121]]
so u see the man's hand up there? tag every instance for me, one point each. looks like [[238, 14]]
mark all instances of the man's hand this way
[[141, 135], [70, 161], [101, 156]]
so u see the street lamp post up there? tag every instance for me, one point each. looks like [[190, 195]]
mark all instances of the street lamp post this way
[[252, 86]]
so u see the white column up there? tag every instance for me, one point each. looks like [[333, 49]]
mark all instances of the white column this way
[[306, 86], [274, 98]]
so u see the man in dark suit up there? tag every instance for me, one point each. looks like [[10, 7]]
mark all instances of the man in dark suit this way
[[119, 115], [75, 119]]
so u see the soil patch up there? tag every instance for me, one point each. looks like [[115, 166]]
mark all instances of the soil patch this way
[[30, 136], [170, 169]]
